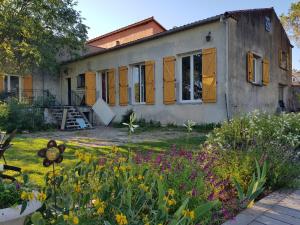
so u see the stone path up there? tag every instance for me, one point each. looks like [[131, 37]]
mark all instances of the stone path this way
[[279, 208]]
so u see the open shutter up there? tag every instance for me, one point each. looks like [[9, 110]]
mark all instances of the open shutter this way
[[250, 75], [169, 80], [123, 83], [209, 80], [90, 88], [1, 82], [266, 72], [111, 87], [150, 86], [27, 87]]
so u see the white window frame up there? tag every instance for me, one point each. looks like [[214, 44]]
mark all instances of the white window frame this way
[[190, 54], [99, 84], [132, 83], [258, 79]]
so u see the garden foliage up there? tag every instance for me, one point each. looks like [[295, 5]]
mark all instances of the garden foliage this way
[[275, 138], [17, 115]]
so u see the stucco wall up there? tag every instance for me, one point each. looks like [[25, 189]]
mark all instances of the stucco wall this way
[[171, 45], [248, 34]]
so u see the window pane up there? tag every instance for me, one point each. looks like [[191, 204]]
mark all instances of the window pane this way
[[197, 76], [186, 67], [136, 82], [143, 84], [103, 85]]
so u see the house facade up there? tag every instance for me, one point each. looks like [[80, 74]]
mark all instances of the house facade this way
[[207, 71]]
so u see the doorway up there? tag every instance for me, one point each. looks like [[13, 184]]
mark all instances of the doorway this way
[[69, 91]]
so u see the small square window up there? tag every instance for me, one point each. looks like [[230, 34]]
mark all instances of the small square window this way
[[81, 80], [283, 60]]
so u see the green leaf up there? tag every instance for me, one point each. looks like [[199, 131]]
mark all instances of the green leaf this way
[[258, 172], [24, 205], [239, 189], [106, 222], [25, 178], [203, 209], [178, 213], [37, 219]]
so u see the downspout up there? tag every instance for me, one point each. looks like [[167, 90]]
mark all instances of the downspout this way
[[227, 67]]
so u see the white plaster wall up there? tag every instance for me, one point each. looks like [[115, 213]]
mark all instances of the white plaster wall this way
[[170, 45]]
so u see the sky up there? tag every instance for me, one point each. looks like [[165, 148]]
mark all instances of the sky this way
[[103, 16]]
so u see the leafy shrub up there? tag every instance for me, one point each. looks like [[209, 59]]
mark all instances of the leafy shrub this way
[[17, 115], [9, 194], [275, 138]]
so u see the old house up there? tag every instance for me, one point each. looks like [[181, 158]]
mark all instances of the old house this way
[[208, 71]]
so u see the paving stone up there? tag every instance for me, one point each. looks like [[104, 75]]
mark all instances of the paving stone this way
[[269, 221], [279, 208], [287, 211], [256, 223], [282, 217]]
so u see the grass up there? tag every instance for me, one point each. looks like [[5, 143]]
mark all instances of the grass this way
[[23, 153]]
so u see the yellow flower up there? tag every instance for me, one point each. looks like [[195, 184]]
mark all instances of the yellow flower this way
[[30, 196], [140, 177], [77, 188], [100, 210], [114, 149], [171, 192], [121, 159], [75, 220], [87, 158], [189, 214], [171, 202], [24, 195], [121, 219], [41, 196], [66, 217], [143, 187]]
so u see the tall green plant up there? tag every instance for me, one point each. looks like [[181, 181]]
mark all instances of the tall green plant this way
[[255, 188]]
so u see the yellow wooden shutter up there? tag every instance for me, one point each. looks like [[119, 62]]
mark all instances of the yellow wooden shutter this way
[[1, 82], [90, 88], [250, 75], [111, 87], [209, 79], [123, 84], [150, 86], [266, 72], [27, 87], [169, 80]]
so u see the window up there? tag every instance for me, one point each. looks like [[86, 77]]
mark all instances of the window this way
[[283, 60], [138, 78], [257, 69], [81, 80], [104, 86], [191, 77]]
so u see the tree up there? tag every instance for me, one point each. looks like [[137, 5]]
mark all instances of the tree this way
[[291, 21], [34, 33]]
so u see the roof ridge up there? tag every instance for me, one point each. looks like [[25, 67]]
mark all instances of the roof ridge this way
[[149, 19]]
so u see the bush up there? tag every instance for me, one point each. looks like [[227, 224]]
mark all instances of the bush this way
[[16, 115], [275, 138]]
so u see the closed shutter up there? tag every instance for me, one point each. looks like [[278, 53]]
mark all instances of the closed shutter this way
[[27, 87], [266, 72], [123, 83], [209, 79], [1, 82], [169, 80], [150, 86], [250, 74], [111, 87], [90, 88]]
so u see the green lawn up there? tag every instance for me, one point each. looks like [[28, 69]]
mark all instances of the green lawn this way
[[23, 153]]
